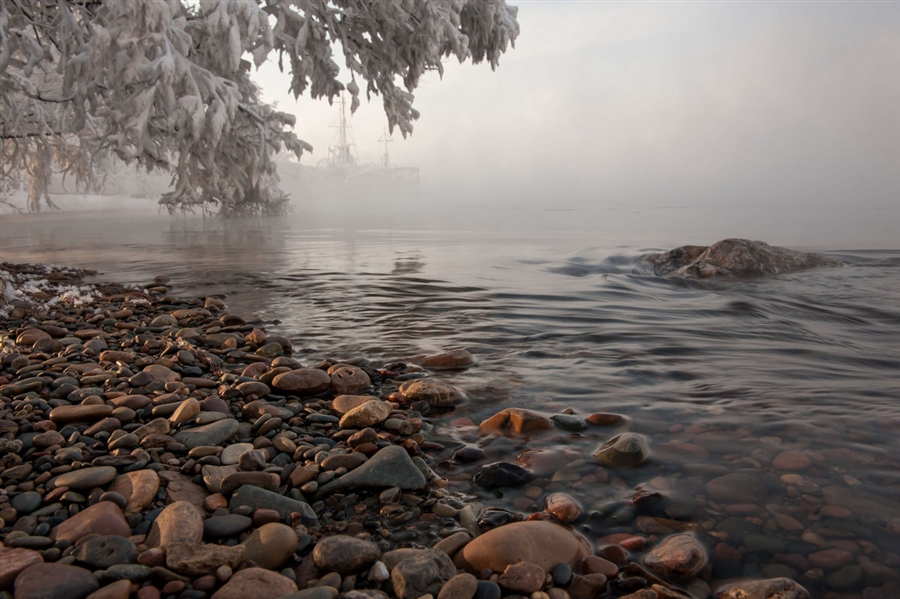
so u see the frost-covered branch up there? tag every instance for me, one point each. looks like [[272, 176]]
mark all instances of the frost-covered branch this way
[[164, 83]]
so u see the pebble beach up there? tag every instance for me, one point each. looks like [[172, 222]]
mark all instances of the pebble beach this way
[[157, 446]]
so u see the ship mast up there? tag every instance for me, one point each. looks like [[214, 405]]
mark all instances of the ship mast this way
[[386, 139]]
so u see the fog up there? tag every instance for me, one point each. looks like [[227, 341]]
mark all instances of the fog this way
[[768, 104]]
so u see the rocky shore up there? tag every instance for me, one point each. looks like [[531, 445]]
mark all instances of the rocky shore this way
[[152, 446]]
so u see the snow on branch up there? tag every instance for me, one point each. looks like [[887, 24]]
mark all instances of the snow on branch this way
[[164, 83]]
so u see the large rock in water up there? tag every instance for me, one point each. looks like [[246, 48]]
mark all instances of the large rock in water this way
[[735, 258]]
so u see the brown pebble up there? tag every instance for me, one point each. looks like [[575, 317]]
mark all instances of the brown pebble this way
[[173, 586]]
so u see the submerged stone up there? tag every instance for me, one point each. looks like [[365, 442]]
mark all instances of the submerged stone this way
[[627, 450]]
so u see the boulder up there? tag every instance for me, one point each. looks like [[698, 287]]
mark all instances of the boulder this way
[[734, 258]]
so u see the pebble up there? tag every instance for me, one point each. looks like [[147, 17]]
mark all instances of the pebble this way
[[55, 581], [344, 554], [271, 545]]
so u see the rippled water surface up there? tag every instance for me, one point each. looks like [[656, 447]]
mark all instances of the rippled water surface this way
[[561, 313]]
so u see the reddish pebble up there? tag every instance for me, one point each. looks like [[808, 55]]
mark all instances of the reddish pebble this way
[[265, 516], [205, 583], [614, 553], [835, 511], [173, 586], [148, 593], [597, 565], [792, 460], [725, 552], [633, 543], [741, 509], [831, 559], [152, 557]]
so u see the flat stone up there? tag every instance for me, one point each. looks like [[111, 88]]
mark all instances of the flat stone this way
[[434, 392], [452, 360], [540, 542], [209, 434], [256, 497], [158, 426], [89, 413], [14, 561], [515, 422], [158, 371], [197, 559], [55, 581], [303, 381], [344, 554], [256, 582], [138, 488], [103, 518], [771, 588], [271, 545], [369, 413], [390, 467]]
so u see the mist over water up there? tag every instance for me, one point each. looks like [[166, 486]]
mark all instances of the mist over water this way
[[561, 313]]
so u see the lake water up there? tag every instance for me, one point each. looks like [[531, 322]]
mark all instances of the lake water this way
[[561, 313]]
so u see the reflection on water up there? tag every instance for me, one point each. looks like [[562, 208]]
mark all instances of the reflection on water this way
[[562, 315]]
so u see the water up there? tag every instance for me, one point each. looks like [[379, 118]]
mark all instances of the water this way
[[561, 313]]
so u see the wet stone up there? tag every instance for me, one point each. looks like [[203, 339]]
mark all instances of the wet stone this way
[[229, 525], [500, 474]]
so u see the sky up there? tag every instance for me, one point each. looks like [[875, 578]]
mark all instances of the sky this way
[[657, 104]]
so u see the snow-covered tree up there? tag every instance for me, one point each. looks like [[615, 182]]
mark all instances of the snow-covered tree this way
[[165, 83]]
